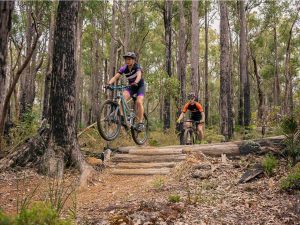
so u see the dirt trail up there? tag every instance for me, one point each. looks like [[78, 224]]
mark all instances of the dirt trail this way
[[209, 194]]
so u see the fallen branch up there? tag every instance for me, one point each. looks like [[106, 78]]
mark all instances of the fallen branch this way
[[85, 129]]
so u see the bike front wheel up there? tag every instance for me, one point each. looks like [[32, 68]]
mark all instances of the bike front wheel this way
[[188, 137], [140, 136], [108, 121]]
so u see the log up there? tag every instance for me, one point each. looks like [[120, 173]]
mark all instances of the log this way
[[145, 165], [155, 151], [216, 149], [147, 158], [251, 173], [85, 129], [159, 171]]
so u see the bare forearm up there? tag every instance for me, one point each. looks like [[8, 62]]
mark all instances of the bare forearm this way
[[181, 117], [202, 116], [138, 77], [114, 79]]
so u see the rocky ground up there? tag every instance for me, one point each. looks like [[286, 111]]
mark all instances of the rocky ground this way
[[201, 190]]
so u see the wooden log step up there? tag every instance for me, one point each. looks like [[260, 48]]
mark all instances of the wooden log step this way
[[157, 171], [145, 165], [217, 150], [155, 151], [147, 158], [214, 149]]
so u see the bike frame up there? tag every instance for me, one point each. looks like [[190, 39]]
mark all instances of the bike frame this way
[[122, 103]]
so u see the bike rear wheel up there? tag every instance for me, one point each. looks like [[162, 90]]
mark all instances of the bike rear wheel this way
[[140, 136], [108, 121]]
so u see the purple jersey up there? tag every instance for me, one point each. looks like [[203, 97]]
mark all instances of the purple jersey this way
[[131, 75]]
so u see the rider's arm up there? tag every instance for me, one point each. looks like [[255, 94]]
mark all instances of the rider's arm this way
[[180, 117], [138, 76], [199, 107], [114, 78], [185, 108], [202, 117]]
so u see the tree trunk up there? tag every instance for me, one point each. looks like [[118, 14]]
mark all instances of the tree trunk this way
[[288, 90], [94, 77], [57, 146], [27, 84], [49, 65], [195, 48], [112, 51], [261, 105], [6, 8], [127, 27], [225, 74], [276, 75], [168, 43], [245, 88], [182, 55], [206, 104], [79, 78]]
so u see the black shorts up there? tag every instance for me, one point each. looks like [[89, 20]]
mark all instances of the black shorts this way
[[139, 90], [196, 118]]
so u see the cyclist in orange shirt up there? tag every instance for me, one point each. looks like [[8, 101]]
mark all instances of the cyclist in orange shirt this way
[[197, 114]]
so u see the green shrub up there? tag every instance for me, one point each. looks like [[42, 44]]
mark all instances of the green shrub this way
[[292, 181], [174, 198], [289, 127], [4, 219], [158, 183], [39, 213], [269, 163]]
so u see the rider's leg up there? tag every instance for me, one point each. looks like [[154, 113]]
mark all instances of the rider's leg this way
[[200, 131], [140, 108], [126, 94]]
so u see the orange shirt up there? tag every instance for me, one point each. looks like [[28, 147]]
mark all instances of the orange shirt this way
[[197, 107]]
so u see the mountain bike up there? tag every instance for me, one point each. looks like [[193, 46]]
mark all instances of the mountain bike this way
[[115, 113], [190, 135]]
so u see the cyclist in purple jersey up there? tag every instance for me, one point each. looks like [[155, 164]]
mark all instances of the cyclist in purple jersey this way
[[133, 73]]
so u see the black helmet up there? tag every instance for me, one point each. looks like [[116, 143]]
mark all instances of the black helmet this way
[[191, 95], [130, 55]]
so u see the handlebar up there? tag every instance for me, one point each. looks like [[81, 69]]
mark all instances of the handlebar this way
[[116, 87]]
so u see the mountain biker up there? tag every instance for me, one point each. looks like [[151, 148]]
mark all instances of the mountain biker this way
[[197, 113], [133, 73]]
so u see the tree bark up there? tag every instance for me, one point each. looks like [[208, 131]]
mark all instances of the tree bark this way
[[49, 64], [276, 75], [206, 104], [182, 56], [288, 90], [225, 75], [26, 81], [245, 88], [261, 105], [168, 43], [112, 51], [94, 77], [79, 78], [195, 48], [6, 8], [127, 27]]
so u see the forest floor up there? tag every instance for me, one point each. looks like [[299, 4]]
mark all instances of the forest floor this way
[[200, 190]]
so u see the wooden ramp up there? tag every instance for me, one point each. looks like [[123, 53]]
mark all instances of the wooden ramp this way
[[146, 160], [143, 160]]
